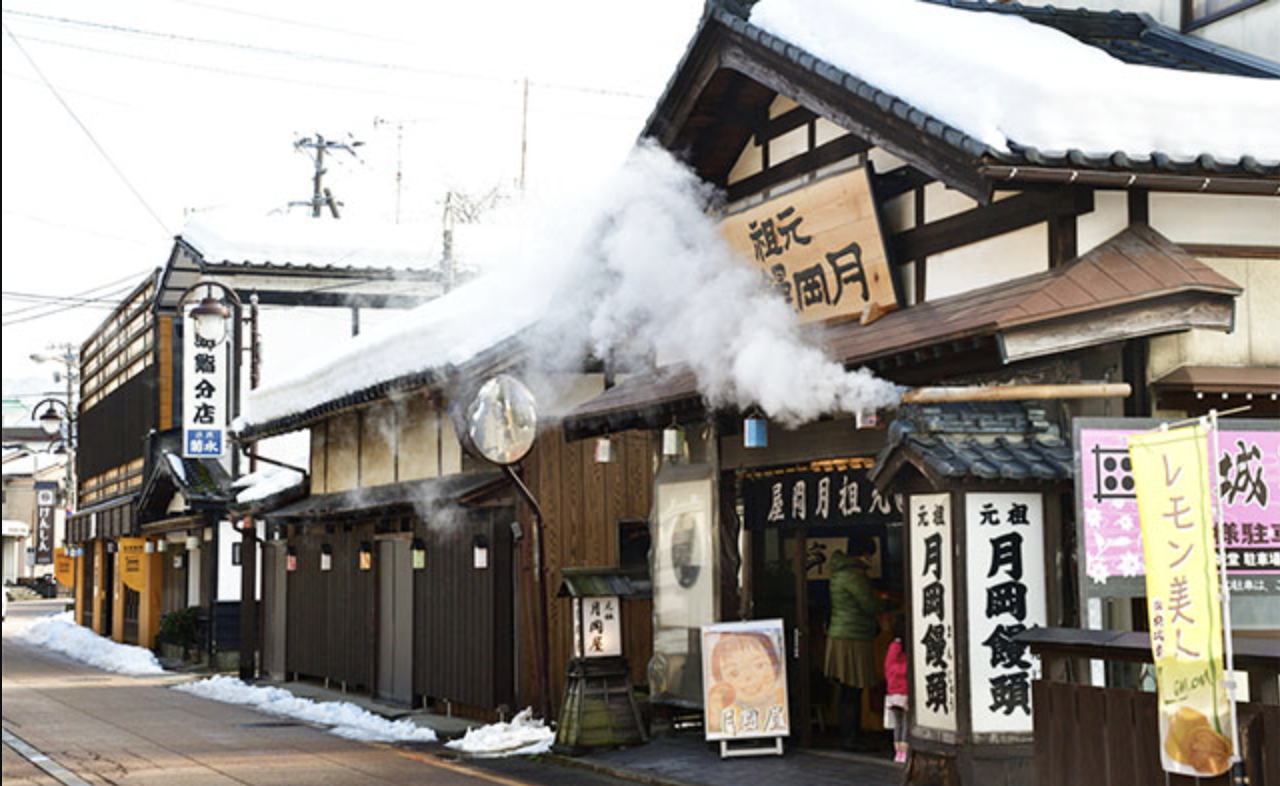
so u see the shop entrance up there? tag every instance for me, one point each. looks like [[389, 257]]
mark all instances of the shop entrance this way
[[791, 562]]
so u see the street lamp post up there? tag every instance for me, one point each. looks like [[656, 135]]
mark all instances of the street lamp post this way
[[52, 422], [209, 318]]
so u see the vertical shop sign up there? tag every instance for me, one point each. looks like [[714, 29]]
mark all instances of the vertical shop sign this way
[[132, 551], [1006, 582], [46, 502], [1171, 473], [204, 394], [932, 612]]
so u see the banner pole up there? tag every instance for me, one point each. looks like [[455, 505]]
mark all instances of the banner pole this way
[[1224, 589]]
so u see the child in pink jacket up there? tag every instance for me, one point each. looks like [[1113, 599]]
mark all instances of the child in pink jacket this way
[[895, 700]]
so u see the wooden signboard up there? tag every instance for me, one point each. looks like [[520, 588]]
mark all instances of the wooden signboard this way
[[821, 248], [132, 551]]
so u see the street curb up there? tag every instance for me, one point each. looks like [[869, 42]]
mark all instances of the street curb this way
[[614, 772]]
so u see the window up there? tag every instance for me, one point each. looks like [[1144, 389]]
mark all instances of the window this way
[[1198, 13]]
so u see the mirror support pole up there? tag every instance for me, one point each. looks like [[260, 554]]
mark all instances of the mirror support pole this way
[[539, 581]]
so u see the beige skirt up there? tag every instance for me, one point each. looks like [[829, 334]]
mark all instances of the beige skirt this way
[[851, 662]]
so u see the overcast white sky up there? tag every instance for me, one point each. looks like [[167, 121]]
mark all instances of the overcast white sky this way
[[197, 105]]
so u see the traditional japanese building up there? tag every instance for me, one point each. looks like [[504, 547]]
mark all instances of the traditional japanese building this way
[[138, 495], [981, 263], [406, 571]]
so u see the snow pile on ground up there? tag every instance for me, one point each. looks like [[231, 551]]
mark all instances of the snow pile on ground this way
[[522, 736], [1002, 79], [60, 632], [344, 718], [265, 482]]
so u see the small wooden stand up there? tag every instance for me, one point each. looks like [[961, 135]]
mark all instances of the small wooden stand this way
[[599, 708], [750, 748]]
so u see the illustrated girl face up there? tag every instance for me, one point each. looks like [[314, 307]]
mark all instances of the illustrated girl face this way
[[749, 669]]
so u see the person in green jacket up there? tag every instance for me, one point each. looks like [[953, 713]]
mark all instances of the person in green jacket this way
[[850, 658]]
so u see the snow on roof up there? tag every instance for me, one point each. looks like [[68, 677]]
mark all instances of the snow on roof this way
[[302, 240], [1002, 79], [265, 482], [446, 332]]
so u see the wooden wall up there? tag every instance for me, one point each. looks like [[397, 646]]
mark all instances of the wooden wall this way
[[582, 502], [464, 643]]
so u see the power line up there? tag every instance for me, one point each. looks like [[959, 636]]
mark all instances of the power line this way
[[102, 150], [309, 56], [297, 23]]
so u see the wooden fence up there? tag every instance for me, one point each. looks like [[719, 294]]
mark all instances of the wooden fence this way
[[1092, 736]]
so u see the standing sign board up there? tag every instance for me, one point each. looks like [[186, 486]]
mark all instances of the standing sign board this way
[[819, 247], [205, 388], [46, 503], [1171, 476], [1006, 582], [744, 679], [933, 633]]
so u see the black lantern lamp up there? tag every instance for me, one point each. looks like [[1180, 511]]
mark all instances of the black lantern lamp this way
[[419, 554], [50, 420], [210, 316], [598, 683]]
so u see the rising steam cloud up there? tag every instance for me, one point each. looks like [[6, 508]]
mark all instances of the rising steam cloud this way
[[646, 277]]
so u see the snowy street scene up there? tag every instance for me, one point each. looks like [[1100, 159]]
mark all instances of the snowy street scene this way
[[693, 393]]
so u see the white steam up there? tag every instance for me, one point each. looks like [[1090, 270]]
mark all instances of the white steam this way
[[637, 274], [651, 277]]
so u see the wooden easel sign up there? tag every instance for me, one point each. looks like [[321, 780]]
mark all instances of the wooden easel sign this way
[[744, 683]]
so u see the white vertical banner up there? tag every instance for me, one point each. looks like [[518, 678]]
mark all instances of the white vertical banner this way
[[1006, 583], [603, 634], [205, 389], [932, 612]]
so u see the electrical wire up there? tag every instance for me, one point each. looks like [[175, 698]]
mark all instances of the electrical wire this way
[[102, 150]]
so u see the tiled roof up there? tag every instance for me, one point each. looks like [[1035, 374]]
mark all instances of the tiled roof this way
[[983, 440], [1135, 267], [1131, 37], [603, 582]]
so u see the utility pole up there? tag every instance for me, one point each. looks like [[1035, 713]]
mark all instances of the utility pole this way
[[447, 242], [524, 134], [322, 196]]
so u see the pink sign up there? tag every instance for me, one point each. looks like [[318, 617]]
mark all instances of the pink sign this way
[[1248, 477]]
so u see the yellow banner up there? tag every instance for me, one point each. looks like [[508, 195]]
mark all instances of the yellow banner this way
[[132, 555], [1171, 470], [64, 567]]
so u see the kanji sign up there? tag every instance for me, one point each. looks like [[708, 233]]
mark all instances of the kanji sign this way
[[820, 247], [932, 612], [1248, 470], [46, 505], [205, 388], [840, 497], [1005, 546], [1171, 478], [597, 627]]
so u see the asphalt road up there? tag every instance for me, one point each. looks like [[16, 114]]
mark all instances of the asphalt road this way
[[101, 728]]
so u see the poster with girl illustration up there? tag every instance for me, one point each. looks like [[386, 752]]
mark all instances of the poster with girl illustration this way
[[744, 680]]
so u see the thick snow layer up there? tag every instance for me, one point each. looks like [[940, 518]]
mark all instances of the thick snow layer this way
[[448, 331], [522, 736], [343, 718], [60, 632], [265, 482], [299, 239], [1002, 79]]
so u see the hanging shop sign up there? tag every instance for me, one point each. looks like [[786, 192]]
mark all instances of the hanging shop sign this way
[[744, 678], [932, 612], [46, 505], [64, 567], [1248, 470], [1006, 596], [820, 248], [816, 499], [205, 385], [1171, 477], [132, 554]]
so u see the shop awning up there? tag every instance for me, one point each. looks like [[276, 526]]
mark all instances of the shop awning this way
[[420, 495], [604, 582], [203, 483], [1136, 284], [112, 519]]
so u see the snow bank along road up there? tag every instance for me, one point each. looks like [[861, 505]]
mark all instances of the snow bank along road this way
[[105, 728]]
